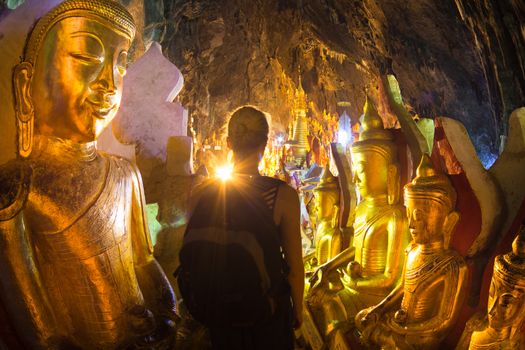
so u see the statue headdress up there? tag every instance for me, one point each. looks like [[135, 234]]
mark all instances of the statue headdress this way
[[328, 182], [110, 11], [509, 268], [431, 184], [374, 136]]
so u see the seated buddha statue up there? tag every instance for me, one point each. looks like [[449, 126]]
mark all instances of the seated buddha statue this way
[[77, 266], [364, 273], [418, 313], [501, 327], [328, 236]]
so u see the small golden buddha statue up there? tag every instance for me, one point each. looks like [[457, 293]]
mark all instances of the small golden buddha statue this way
[[372, 266], [502, 326], [328, 236], [418, 313], [77, 266]]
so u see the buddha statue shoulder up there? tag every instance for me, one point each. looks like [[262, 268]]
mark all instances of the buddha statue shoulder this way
[[421, 310], [77, 265], [501, 327], [370, 268], [328, 236]]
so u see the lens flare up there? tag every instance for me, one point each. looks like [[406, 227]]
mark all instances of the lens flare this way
[[224, 172]]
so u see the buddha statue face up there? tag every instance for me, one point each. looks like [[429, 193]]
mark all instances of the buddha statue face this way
[[374, 159], [506, 305], [370, 173], [73, 85], [426, 219], [325, 202], [326, 195], [430, 201]]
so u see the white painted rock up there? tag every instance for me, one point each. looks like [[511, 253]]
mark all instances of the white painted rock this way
[[485, 187], [509, 168], [147, 117]]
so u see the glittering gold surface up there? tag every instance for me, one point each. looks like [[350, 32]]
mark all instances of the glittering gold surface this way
[[419, 313], [372, 266], [77, 262], [501, 327]]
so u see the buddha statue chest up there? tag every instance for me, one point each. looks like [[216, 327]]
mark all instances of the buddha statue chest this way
[[84, 247], [371, 238], [424, 284]]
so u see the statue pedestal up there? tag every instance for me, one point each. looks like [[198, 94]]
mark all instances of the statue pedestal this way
[[310, 332], [340, 342]]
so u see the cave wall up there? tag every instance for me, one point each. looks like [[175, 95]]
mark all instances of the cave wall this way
[[458, 58]]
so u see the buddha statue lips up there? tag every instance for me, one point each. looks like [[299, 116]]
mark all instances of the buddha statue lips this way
[[104, 109], [419, 312], [77, 268]]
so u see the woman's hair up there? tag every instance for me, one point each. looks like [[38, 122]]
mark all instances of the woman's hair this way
[[247, 130]]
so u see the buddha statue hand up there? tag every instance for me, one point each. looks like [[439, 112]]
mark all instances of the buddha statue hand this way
[[325, 282], [151, 333], [142, 321], [319, 277], [369, 317], [355, 269], [400, 316], [377, 333]]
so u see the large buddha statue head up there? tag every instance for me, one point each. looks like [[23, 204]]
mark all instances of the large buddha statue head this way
[[430, 200], [326, 195], [374, 159], [69, 84], [506, 306]]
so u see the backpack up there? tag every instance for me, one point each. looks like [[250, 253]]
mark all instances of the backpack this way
[[231, 264]]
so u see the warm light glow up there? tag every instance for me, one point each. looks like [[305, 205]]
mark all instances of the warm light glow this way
[[224, 172], [342, 137]]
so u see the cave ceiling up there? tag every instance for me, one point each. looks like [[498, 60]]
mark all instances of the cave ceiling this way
[[462, 59]]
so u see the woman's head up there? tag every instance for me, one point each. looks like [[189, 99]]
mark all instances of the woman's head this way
[[247, 131]]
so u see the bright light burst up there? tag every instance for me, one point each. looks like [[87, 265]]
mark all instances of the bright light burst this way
[[224, 172], [342, 137]]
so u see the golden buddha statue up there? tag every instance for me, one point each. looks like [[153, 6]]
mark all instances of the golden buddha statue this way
[[328, 236], [420, 311], [502, 326], [372, 265], [77, 266]]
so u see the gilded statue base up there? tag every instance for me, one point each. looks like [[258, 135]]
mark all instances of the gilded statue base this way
[[310, 331]]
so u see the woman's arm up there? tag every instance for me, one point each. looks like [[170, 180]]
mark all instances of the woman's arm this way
[[288, 214]]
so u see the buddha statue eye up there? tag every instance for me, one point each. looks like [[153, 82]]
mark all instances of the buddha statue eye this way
[[418, 214], [86, 48], [86, 58], [507, 299]]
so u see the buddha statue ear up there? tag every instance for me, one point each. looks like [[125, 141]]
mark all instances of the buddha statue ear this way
[[449, 225], [393, 184], [25, 113]]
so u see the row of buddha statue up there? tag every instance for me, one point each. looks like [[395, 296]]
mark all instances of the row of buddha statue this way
[[77, 268], [399, 285]]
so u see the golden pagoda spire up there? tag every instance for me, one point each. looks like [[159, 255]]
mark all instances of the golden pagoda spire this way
[[300, 129]]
